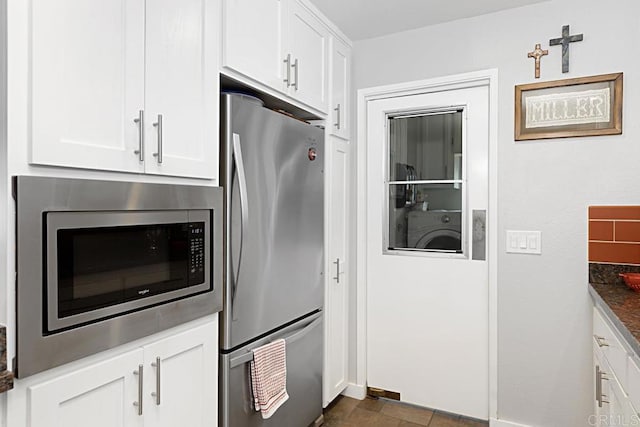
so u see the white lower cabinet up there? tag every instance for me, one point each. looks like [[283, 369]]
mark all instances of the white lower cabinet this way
[[167, 383], [614, 390], [101, 395], [613, 407], [336, 312], [182, 381]]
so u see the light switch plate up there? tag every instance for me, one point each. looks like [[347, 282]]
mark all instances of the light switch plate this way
[[524, 242]]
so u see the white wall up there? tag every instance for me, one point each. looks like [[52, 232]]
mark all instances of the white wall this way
[[544, 350]]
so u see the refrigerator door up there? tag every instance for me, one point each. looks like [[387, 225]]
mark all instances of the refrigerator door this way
[[304, 380], [274, 190]]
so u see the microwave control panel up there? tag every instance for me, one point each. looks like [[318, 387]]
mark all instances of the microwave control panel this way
[[196, 253]]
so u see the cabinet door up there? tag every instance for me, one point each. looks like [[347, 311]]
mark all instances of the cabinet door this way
[[611, 347], [340, 76], [182, 86], [252, 39], [308, 44], [617, 410], [101, 395], [87, 86], [187, 380], [337, 288]]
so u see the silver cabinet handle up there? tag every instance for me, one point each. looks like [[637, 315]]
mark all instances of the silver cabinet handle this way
[[156, 393], [244, 208], [139, 373], [337, 123], [598, 386], [140, 121], [287, 61], [601, 341], [297, 67], [600, 376], [158, 125], [337, 263]]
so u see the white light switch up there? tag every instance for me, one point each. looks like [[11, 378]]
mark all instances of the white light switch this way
[[524, 242]]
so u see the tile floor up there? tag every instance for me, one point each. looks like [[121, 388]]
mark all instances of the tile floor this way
[[347, 412]]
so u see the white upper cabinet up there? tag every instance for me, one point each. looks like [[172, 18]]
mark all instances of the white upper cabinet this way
[[104, 71], [308, 45], [253, 36], [339, 85], [182, 88], [280, 44], [87, 67]]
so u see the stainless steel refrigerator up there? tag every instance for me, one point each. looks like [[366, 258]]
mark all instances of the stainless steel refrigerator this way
[[272, 174]]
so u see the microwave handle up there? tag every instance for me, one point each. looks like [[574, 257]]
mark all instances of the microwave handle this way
[[244, 213]]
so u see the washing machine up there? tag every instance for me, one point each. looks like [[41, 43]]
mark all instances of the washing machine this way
[[436, 230]]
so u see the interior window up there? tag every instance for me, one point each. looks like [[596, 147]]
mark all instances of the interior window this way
[[425, 182]]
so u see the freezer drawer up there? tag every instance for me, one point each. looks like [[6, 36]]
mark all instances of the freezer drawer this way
[[304, 379]]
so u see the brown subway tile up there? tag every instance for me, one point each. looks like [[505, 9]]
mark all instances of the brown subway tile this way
[[627, 231], [618, 253], [614, 212], [601, 230]]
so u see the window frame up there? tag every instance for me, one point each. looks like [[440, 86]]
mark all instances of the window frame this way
[[464, 234]]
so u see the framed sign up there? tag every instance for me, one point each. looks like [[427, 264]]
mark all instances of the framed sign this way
[[585, 106]]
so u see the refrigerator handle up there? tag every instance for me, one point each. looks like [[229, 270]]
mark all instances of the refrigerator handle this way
[[298, 335], [248, 356], [244, 214]]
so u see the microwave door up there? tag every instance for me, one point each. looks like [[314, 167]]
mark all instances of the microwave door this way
[[101, 264]]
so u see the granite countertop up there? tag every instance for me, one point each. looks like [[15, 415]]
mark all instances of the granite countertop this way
[[6, 377], [622, 306]]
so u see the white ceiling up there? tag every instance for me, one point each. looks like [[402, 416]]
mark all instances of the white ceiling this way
[[364, 19]]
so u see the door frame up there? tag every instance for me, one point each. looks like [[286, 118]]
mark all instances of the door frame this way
[[487, 78]]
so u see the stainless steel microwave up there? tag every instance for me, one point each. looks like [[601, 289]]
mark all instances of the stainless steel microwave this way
[[101, 263]]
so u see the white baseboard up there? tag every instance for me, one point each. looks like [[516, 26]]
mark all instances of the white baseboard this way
[[493, 422], [355, 391]]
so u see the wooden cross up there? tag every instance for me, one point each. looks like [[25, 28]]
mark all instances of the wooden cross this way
[[564, 41], [537, 54]]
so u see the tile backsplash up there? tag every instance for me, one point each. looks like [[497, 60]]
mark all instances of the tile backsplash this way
[[614, 235]]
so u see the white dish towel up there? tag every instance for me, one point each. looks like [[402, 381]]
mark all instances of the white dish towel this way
[[269, 377]]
